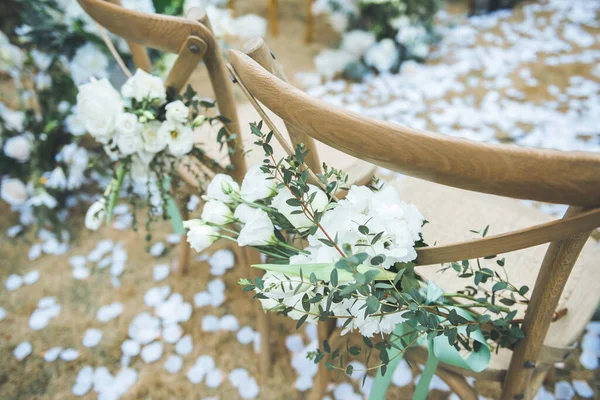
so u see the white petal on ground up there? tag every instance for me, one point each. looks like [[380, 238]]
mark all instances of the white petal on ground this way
[[46, 302], [109, 312], [69, 354], [202, 299], [245, 335], [103, 379], [84, 381], [402, 374], [345, 391], [210, 323], [92, 337], [126, 378], [2, 313], [249, 389], [130, 348], [359, 371], [104, 263], [214, 378], [311, 332], [294, 343], [52, 353], [81, 273], [173, 238], [593, 327], [589, 360], [563, 390], [77, 261], [591, 343], [237, 376], [156, 295], [195, 374], [144, 328], [160, 272], [13, 282], [152, 352], [583, 389], [184, 346], [303, 383], [22, 350], [172, 333], [157, 249], [31, 277], [173, 364], [229, 323]]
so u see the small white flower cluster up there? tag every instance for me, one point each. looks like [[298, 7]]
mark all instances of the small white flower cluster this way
[[361, 46], [354, 221], [130, 124]]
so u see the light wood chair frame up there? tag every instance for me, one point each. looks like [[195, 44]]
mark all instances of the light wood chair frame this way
[[193, 40], [571, 178]]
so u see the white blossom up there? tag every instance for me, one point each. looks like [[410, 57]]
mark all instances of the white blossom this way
[[96, 214], [98, 106], [257, 185], [88, 62], [177, 112], [18, 147], [144, 86], [199, 235], [155, 139], [220, 187], [300, 221], [180, 138], [13, 191], [382, 56], [258, 230], [216, 213]]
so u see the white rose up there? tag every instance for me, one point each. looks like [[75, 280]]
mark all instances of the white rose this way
[[129, 137], [13, 191], [98, 106], [258, 231], [155, 140], [88, 62], [300, 221], [18, 147], [220, 187], [382, 56], [200, 235], [142, 86], [57, 179], [216, 213], [257, 185], [243, 212], [96, 215], [177, 112], [180, 138], [357, 42], [14, 120]]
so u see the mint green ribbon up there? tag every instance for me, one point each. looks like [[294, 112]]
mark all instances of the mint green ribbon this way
[[439, 351], [173, 209]]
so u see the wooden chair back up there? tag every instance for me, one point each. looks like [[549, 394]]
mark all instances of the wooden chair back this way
[[192, 39], [571, 178]]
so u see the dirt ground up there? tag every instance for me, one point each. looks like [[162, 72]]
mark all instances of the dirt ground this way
[[33, 378]]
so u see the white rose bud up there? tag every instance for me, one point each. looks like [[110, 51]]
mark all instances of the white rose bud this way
[[177, 112], [13, 191], [155, 140], [96, 214], [258, 231], [198, 121], [98, 106], [220, 188], [18, 148], [216, 213], [257, 185], [300, 221], [200, 236]]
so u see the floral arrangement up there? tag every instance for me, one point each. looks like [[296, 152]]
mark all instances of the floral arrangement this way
[[352, 260], [376, 35], [42, 163], [146, 131]]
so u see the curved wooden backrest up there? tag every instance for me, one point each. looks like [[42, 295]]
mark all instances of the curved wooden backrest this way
[[192, 39], [544, 175]]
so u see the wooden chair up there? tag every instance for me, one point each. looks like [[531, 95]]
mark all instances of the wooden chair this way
[[192, 39], [564, 295]]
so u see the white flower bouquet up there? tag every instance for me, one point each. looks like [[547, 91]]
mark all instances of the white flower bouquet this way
[[351, 260], [377, 35], [146, 131]]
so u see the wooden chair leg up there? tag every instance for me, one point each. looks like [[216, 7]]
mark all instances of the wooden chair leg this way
[[310, 22], [554, 273], [539, 375], [273, 22]]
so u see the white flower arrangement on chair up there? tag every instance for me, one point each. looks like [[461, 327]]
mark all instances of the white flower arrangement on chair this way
[[350, 260]]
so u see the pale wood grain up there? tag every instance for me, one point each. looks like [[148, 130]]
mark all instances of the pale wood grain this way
[[535, 174], [554, 273], [190, 55], [511, 241]]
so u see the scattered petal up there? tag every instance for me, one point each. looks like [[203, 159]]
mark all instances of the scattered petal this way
[[173, 364], [161, 272], [184, 346], [92, 337], [152, 352], [22, 350]]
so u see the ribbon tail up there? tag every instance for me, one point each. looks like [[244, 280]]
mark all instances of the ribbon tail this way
[[382, 382], [427, 375]]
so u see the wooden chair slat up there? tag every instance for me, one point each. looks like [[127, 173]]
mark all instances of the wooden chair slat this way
[[543, 175], [192, 51], [511, 241]]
